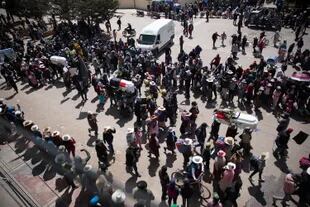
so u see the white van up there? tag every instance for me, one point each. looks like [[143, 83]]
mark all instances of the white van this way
[[156, 35]]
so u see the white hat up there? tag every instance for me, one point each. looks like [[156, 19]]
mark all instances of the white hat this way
[[106, 128], [170, 129], [62, 148], [90, 112], [66, 137], [118, 196], [34, 128], [210, 79], [229, 140], [264, 156], [17, 113], [130, 130], [308, 171], [229, 72], [230, 166], [161, 108], [197, 159], [188, 141], [27, 123], [88, 168], [47, 129], [55, 133], [152, 83]]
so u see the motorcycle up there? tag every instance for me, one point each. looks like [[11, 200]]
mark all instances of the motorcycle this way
[[127, 33], [140, 13]]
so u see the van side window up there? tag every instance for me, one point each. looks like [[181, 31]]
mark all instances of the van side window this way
[[158, 37]]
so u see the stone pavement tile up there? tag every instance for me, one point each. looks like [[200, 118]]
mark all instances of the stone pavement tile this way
[[34, 185]]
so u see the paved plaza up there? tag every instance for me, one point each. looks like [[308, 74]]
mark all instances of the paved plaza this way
[[53, 106]]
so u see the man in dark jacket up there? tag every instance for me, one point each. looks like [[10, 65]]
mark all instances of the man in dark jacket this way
[[281, 142], [201, 134], [132, 156], [164, 181]]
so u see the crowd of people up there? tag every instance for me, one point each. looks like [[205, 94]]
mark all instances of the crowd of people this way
[[92, 59]]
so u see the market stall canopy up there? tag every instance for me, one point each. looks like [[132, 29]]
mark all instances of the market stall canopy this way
[[301, 76]]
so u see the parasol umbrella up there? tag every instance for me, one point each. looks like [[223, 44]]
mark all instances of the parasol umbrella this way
[[301, 76]]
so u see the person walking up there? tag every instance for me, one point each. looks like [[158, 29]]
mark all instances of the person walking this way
[[108, 138], [102, 153], [181, 41], [69, 143], [201, 135], [281, 143], [119, 23], [164, 181], [132, 157], [154, 146], [190, 30], [173, 192], [228, 176], [206, 156], [11, 82], [142, 194], [289, 187], [170, 140], [186, 192], [223, 38], [258, 164], [214, 38], [92, 122]]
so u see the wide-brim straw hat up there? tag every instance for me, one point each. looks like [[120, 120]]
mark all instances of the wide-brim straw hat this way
[[264, 156], [27, 123], [229, 140], [188, 114], [197, 159], [161, 108], [47, 129], [118, 196], [230, 166], [18, 113], [55, 133], [62, 148], [34, 128], [221, 153], [66, 137], [188, 141], [152, 83], [105, 129], [308, 171]]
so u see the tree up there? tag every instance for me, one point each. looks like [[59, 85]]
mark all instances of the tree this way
[[96, 10], [63, 8], [27, 8]]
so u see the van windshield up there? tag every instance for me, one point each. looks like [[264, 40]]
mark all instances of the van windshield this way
[[147, 39]]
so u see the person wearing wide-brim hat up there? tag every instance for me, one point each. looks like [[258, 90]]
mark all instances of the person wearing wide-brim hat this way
[[162, 117], [219, 163], [171, 140], [36, 131], [187, 152], [69, 143], [56, 138], [258, 164], [118, 198], [46, 132], [228, 176], [142, 194], [28, 124]]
